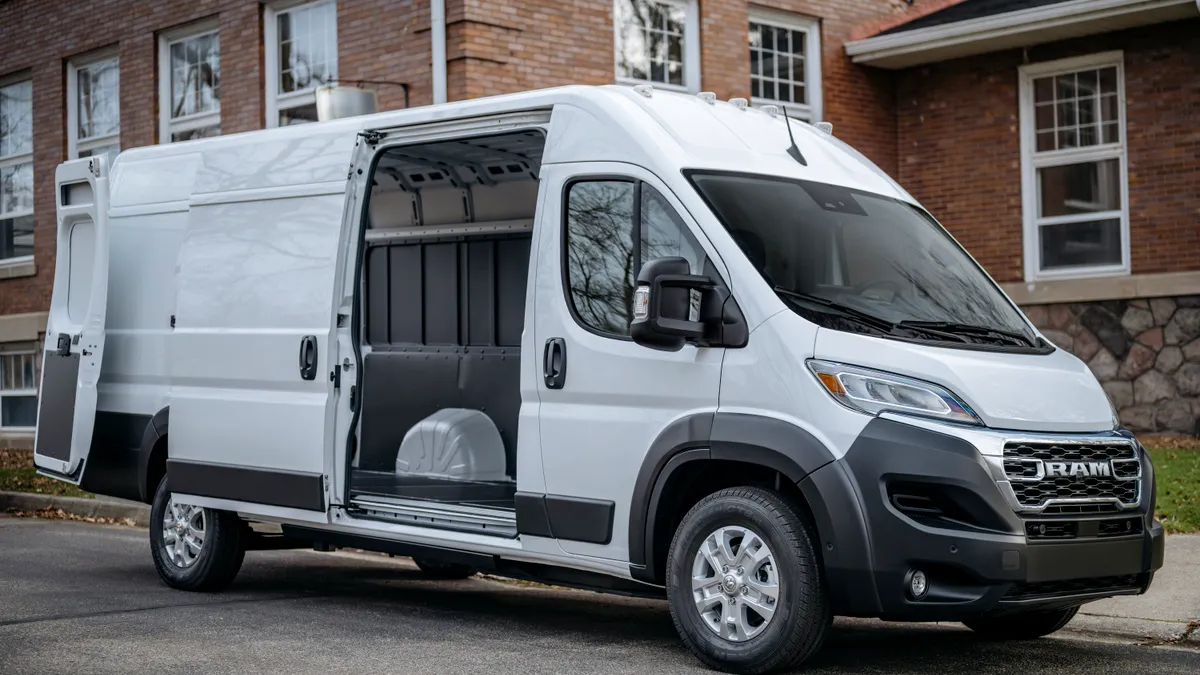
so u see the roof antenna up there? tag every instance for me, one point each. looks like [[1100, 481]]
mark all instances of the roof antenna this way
[[794, 151]]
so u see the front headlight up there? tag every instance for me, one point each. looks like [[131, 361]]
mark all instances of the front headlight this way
[[874, 391]]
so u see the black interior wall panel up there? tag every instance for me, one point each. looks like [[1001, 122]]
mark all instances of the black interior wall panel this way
[[491, 382], [403, 310], [399, 390], [377, 296], [481, 292], [441, 301], [512, 271]]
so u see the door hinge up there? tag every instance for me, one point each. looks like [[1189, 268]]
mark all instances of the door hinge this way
[[325, 479], [371, 136], [335, 376], [172, 321]]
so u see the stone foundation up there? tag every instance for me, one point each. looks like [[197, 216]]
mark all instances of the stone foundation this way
[[1146, 354]]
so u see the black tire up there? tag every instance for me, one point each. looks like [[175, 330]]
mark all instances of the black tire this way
[[436, 569], [1022, 626], [802, 613], [219, 558]]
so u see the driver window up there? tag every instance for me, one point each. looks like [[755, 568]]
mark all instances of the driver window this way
[[602, 263]]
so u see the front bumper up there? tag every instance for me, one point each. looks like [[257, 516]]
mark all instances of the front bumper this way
[[908, 498]]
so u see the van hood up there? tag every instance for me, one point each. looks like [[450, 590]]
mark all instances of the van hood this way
[[1027, 392]]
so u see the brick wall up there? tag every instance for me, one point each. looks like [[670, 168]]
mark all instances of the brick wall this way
[[959, 148], [40, 37]]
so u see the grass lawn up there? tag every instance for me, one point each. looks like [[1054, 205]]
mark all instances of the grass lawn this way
[[17, 475], [1177, 470]]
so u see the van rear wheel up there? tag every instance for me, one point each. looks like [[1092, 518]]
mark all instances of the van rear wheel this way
[[1021, 626], [194, 548], [745, 584]]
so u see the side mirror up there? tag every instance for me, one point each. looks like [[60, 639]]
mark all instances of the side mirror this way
[[662, 305]]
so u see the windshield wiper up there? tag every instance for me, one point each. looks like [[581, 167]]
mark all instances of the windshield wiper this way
[[864, 317], [968, 329]]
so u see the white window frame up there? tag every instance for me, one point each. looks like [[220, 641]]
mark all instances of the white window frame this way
[[13, 160], [166, 125], [1032, 160], [277, 102], [20, 393], [74, 144], [810, 112], [691, 48]]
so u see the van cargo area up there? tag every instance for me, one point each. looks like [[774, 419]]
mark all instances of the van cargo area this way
[[444, 281]]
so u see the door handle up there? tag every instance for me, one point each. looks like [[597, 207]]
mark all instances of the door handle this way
[[308, 357], [554, 363]]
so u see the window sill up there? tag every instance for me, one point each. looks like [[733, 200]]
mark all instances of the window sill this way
[[17, 268], [17, 433], [1098, 288]]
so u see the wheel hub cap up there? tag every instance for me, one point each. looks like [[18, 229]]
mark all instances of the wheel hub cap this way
[[730, 584], [735, 583], [183, 531]]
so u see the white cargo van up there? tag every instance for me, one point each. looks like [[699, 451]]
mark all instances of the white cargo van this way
[[608, 337]]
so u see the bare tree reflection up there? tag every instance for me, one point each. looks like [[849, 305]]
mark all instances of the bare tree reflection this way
[[600, 256]]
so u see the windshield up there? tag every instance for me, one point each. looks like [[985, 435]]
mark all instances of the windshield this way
[[857, 261]]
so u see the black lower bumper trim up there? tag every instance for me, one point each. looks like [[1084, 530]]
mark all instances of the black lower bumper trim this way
[[1050, 590], [904, 498]]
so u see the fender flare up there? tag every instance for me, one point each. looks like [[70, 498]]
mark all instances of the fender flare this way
[[754, 439], [156, 429]]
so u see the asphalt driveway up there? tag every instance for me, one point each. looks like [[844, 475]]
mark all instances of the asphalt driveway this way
[[80, 598]]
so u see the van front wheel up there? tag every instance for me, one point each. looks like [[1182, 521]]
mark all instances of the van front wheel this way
[[745, 585], [194, 548]]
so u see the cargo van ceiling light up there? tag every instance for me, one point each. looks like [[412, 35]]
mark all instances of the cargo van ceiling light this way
[[873, 392]]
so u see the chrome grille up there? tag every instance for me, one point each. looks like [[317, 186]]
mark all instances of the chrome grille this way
[[1046, 475]]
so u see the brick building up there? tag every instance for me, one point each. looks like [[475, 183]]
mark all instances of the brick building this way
[[1058, 139]]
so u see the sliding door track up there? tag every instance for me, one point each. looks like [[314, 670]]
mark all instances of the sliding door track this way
[[481, 520]]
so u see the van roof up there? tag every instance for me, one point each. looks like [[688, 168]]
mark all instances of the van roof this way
[[668, 130]]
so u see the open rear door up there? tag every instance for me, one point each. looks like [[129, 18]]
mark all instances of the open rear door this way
[[75, 330]]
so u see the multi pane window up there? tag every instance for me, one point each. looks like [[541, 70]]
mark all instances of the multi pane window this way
[[303, 43], [785, 62], [650, 41], [95, 108], [18, 391], [16, 171], [191, 75], [1074, 159], [604, 219]]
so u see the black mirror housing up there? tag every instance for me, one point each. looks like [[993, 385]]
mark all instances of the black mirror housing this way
[[662, 304]]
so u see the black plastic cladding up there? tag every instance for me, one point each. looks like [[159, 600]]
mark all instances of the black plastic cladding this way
[[869, 546], [773, 443]]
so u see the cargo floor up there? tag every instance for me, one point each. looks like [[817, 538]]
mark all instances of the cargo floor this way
[[441, 490]]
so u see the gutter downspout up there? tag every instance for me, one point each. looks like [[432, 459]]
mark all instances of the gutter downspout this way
[[437, 29]]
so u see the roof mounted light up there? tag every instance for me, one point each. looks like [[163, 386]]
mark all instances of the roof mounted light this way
[[707, 96], [825, 127], [645, 90], [739, 103], [772, 110]]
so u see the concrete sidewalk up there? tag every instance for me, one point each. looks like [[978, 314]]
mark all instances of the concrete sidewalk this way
[[120, 511], [1169, 613]]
